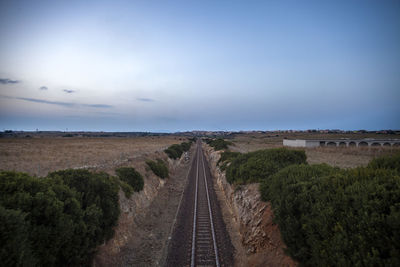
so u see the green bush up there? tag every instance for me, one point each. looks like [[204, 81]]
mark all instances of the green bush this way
[[131, 177], [58, 220], [158, 167], [98, 194], [218, 144], [175, 151], [386, 162], [226, 157], [172, 153], [259, 165], [128, 190], [14, 239], [186, 146], [275, 185], [331, 217]]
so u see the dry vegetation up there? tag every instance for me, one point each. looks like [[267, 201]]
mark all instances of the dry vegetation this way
[[336, 156], [38, 156]]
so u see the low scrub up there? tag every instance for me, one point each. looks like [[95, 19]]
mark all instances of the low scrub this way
[[175, 151], [386, 162], [259, 165], [57, 220], [158, 167], [193, 139], [130, 176], [128, 190], [226, 158], [329, 217], [218, 144], [186, 146]]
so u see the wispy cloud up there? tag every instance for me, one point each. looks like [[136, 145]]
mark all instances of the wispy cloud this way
[[145, 99], [8, 81], [57, 103], [98, 105], [68, 91], [43, 88]]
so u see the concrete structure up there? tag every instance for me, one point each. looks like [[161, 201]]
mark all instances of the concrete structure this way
[[342, 143]]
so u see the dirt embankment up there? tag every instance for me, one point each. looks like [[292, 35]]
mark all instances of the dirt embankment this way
[[256, 238], [146, 218]]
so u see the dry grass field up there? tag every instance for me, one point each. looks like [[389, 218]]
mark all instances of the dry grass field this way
[[38, 156], [336, 156]]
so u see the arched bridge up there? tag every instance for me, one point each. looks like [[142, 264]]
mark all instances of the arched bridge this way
[[343, 143]]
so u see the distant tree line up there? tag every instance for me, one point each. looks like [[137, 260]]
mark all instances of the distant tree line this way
[[218, 143]]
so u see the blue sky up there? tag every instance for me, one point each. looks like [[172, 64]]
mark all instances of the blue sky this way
[[207, 65]]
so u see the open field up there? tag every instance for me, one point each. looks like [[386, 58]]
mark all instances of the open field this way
[[336, 156], [38, 156]]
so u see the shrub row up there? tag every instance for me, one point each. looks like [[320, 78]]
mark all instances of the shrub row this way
[[329, 217], [218, 144], [175, 151], [257, 166], [130, 180], [386, 162], [57, 220], [226, 158], [158, 167]]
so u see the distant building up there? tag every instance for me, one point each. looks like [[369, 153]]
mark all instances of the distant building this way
[[342, 143]]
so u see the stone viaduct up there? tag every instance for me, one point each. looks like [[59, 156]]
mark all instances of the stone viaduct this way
[[343, 143]]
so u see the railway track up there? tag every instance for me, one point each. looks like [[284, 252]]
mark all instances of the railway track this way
[[204, 245], [200, 237]]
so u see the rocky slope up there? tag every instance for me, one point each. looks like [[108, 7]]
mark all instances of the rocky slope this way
[[249, 220]]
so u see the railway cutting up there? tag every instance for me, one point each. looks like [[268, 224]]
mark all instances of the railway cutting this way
[[200, 237]]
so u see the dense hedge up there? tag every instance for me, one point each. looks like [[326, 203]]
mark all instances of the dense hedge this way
[[331, 217], [126, 188], [257, 166], [15, 247], [218, 144], [175, 151], [386, 162], [57, 220], [186, 146], [130, 176], [226, 158], [158, 167], [95, 190]]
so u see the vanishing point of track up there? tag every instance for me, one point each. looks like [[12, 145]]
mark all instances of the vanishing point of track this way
[[200, 237]]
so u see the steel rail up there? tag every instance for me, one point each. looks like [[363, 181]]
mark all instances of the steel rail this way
[[192, 263], [211, 219], [193, 256]]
